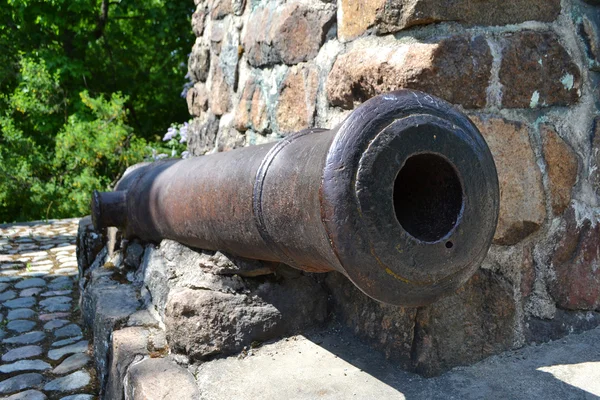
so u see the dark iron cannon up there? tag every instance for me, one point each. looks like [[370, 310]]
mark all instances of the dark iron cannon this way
[[402, 198]]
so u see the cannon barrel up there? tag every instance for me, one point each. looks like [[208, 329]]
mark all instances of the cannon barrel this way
[[402, 198]]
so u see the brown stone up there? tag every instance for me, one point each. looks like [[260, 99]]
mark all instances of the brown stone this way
[[251, 112], [127, 344], [576, 264], [297, 99], [199, 62], [198, 20], [456, 69], [197, 99], [220, 91], [159, 379], [536, 71], [527, 271], [291, 33], [522, 209], [356, 16], [229, 138], [386, 16], [475, 322], [562, 165]]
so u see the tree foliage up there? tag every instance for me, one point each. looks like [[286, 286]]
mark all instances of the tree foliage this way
[[85, 86]]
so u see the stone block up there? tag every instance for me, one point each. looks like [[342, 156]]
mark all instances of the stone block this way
[[219, 100], [158, 379], [575, 261], [197, 99], [128, 345], [202, 134], [589, 31], [198, 18], [522, 204], [536, 71], [355, 17], [477, 321], [251, 111], [444, 69], [199, 62], [595, 159], [204, 323], [297, 99], [89, 243], [289, 34], [221, 8], [562, 166]]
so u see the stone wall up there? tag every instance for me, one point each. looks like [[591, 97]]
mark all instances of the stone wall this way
[[525, 71]]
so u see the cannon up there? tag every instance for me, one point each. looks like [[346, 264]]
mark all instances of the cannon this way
[[402, 198]]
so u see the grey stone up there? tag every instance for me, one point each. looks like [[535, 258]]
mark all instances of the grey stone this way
[[61, 284], [30, 292], [3, 286], [27, 395], [142, 318], [58, 307], [25, 365], [68, 331], [78, 397], [52, 316], [55, 300], [34, 274], [22, 352], [79, 347], [8, 295], [57, 293], [21, 313], [104, 305], [20, 302], [29, 283], [159, 378], [20, 325], [56, 323], [133, 255], [26, 338], [74, 381], [72, 363], [64, 342], [20, 382]]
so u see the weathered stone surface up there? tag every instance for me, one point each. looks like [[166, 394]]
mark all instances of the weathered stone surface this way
[[389, 329], [251, 111], [443, 69], [595, 159], [197, 99], [127, 344], [575, 261], [385, 16], [22, 352], [562, 167], [72, 363], [65, 342], [28, 283], [476, 322], [79, 347], [56, 323], [26, 338], [68, 331], [202, 134], [27, 395], [198, 18], [590, 33], [221, 8], [25, 365], [20, 325], [20, 302], [89, 243], [536, 71], [8, 295], [20, 382], [522, 209], [199, 62], [220, 91], [73, 381], [20, 313], [159, 378], [288, 34], [133, 255], [78, 397], [270, 310], [297, 99]]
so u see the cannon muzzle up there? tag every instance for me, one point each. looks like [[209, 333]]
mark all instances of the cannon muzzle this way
[[402, 198]]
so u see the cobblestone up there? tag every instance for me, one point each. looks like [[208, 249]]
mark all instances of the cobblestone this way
[[44, 353]]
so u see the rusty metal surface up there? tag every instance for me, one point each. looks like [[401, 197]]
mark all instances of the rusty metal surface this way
[[402, 198]]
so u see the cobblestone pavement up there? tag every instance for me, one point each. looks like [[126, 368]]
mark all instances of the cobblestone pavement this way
[[44, 353]]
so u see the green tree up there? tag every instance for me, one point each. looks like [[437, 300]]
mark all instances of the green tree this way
[[83, 86]]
